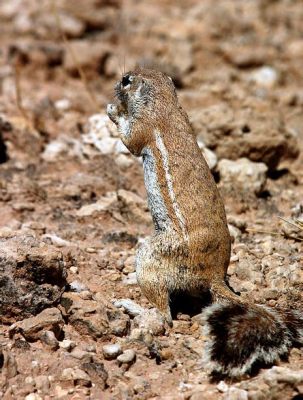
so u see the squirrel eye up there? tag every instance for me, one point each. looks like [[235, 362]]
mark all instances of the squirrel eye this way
[[126, 80]]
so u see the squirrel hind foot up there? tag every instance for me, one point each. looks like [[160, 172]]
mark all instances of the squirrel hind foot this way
[[244, 338]]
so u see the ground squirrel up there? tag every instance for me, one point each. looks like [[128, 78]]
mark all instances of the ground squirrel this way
[[190, 249]]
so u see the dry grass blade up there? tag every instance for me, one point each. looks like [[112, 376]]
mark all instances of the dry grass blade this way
[[299, 223], [73, 55], [19, 101], [266, 232], [295, 224], [283, 234]]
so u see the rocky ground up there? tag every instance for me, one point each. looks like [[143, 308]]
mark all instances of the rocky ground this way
[[73, 204]]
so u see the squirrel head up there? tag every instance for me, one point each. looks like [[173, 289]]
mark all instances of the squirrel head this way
[[145, 99], [143, 91]]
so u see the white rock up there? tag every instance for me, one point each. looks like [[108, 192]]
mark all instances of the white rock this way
[[283, 374], [127, 357], [82, 355], [222, 387], [100, 135], [107, 145], [234, 232], [120, 148], [71, 26], [56, 240], [124, 161], [247, 175], [98, 126], [208, 154], [60, 392], [130, 279], [67, 344], [33, 396], [62, 147], [42, 383], [23, 23], [9, 9], [131, 308], [77, 286], [103, 204], [103, 136], [235, 394], [210, 157], [74, 374], [111, 351], [265, 76], [63, 104], [151, 320], [53, 150]]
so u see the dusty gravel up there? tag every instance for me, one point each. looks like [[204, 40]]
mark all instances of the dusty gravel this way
[[73, 205]]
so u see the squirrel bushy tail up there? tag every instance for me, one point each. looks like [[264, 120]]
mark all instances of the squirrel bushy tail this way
[[245, 337]]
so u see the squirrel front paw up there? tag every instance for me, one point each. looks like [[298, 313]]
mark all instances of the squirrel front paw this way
[[112, 112]]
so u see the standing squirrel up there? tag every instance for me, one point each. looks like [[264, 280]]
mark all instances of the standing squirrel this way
[[190, 249]]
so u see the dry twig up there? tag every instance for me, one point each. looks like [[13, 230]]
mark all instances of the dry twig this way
[[19, 101]]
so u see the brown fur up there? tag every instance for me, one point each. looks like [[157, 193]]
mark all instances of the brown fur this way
[[168, 262], [190, 249]]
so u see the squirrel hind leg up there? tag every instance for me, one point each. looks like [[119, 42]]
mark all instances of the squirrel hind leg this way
[[153, 284], [243, 338]]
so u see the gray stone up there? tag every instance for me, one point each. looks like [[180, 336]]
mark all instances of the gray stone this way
[[32, 277], [97, 373], [130, 307], [234, 393], [246, 175], [67, 344], [42, 383], [94, 318], [151, 320], [49, 338], [31, 328], [127, 357], [82, 355], [76, 375], [111, 351]]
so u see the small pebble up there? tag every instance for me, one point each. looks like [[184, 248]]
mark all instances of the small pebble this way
[[77, 286], [33, 396], [222, 387], [91, 250], [42, 383], [143, 335], [91, 348], [86, 295], [49, 338], [131, 308], [130, 279], [81, 355], [67, 345], [127, 357], [111, 351], [29, 380]]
